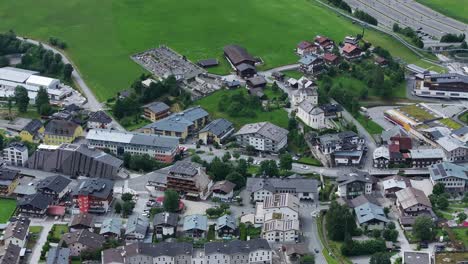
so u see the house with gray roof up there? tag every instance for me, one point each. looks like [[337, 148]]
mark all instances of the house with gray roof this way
[[82, 241], [370, 216], [93, 195], [453, 176], [165, 224], [254, 251], [11, 255], [31, 132], [156, 110], [162, 148], [417, 257], [190, 179], [411, 203], [81, 221], [304, 189], [58, 255], [99, 119], [311, 64], [217, 131], [343, 141], [263, 136], [111, 227], [354, 184], [34, 205], [223, 190], [17, 231], [137, 227], [54, 186], [226, 226], [16, 154], [195, 226], [8, 181], [160, 253], [181, 125]]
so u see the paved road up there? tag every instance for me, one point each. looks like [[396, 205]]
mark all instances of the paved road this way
[[92, 104], [46, 227]]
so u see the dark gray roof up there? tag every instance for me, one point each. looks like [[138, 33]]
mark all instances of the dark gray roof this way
[[184, 167], [362, 199], [60, 128], [99, 117], [55, 183], [33, 126], [12, 254], [244, 66], [237, 54], [111, 225], [218, 127], [100, 188], [266, 129], [236, 246], [257, 80], [82, 220], [355, 176], [7, 175], [179, 122], [58, 255], [157, 107], [226, 221], [165, 218], [17, 228], [208, 62], [272, 184], [91, 240], [225, 186], [137, 224], [446, 170], [148, 249], [461, 131], [410, 257], [37, 200], [18, 146]]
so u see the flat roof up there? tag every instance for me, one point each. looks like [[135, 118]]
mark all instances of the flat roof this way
[[15, 74]]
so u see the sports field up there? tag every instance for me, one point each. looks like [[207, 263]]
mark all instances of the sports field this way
[[7, 207], [457, 9], [101, 35]]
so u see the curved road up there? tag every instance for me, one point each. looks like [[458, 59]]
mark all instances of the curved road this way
[[92, 102]]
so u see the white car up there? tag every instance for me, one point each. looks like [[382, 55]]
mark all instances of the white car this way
[[305, 167]]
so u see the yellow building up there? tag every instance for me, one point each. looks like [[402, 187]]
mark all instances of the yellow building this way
[[32, 131], [8, 181], [60, 131]]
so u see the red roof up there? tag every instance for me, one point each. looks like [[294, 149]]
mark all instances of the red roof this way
[[304, 45], [349, 48], [56, 210], [330, 57], [405, 143], [465, 224], [394, 148], [321, 40]]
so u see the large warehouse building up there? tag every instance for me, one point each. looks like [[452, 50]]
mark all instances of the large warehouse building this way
[[449, 85]]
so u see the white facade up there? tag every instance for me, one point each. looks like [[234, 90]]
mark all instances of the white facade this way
[[451, 183], [303, 95], [91, 125], [343, 190], [260, 195], [311, 115], [223, 197], [423, 91], [281, 230], [15, 156]]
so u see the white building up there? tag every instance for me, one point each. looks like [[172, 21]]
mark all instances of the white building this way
[[263, 136], [223, 190], [282, 203], [16, 232], [16, 154], [454, 177], [449, 85], [312, 115], [277, 229], [11, 77], [260, 188], [305, 94], [162, 148], [354, 184], [455, 149]]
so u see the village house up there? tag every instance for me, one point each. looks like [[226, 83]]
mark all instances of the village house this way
[[254, 251], [226, 226], [165, 224], [305, 47], [195, 226], [393, 184], [412, 203], [54, 186], [60, 131], [282, 203], [15, 154], [223, 190], [111, 228], [351, 52], [32, 131], [355, 184], [240, 60], [189, 179], [82, 241], [278, 229], [16, 232], [160, 253], [263, 136], [99, 119], [137, 227], [8, 181], [305, 94], [324, 43], [311, 64], [34, 205], [370, 216], [156, 110], [331, 59], [260, 188], [81, 221], [58, 255], [454, 177], [218, 130], [93, 195], [12, 254]]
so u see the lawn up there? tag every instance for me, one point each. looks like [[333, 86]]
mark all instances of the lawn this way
[[417, 112], [451, 257], [59, 230], [35, 232], [210, 103], [371, 127], [309, 161], [293, 74], [450, 123], [461, 234], [101, 35], [457, 9], [464, 117], [7, 207]]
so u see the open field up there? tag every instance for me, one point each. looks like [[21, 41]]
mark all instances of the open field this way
[[372, 127], [7, 207], [210, 103], [451, 257], [101, 35], [457, 9], [450, 123], [416, 112]]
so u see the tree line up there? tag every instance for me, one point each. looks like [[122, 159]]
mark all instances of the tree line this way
[[365, 17], [410, 33], [341, 4]]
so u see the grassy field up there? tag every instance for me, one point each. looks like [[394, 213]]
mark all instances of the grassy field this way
[[461, 234], [450, 123], [457, 9], [101, 35], [417, 112], [59, 230], [7, 207], [210, 103], [464, 117], [309, 161], [371, 127]]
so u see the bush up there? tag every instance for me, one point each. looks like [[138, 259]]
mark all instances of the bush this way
[[365, 17], [358, 248]]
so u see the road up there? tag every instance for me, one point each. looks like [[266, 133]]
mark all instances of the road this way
[[92, 102]]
